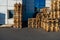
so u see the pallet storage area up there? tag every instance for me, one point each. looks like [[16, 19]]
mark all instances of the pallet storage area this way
[[47, 19]]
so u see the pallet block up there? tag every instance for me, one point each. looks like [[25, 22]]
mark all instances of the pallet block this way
[[58, 14], [38, 25], [41, 24], [54, 5], [52, 27], [56, 28], [58, 3], [54, 13], [34, 23], [57, 20], [50, 15], [46, 27]]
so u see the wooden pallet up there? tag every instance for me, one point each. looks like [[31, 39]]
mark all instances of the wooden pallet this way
[[38, 20], [32, 23], [17, 15], [46, 27]]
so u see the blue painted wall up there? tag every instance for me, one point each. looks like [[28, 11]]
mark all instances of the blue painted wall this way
[[28, 7], [2, 18], [39, 3]]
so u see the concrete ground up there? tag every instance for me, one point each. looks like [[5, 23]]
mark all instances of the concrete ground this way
[[27, 34]]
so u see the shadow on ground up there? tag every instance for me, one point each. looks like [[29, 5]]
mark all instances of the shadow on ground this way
[[24, 24]]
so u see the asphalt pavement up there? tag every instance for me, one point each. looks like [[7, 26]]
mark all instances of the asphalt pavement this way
[[27, 34]]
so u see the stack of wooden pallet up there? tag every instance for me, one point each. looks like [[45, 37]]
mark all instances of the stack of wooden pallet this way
[[55, 12], [48, 19], [17, 15], [54, 15], [32, 23], [38, 20], [52, 25], [55, 8], [44, 16]]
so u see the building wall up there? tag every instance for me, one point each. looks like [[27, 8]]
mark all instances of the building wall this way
[[29, 8], [3, 9], [7, 5], [48, 2], [40, 3], [2, 18]]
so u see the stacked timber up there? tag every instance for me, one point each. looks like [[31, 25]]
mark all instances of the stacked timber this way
[[51, 25], [48, 19], [49, 22], [56, 13], [44, 16], [32, 23], [18, 16]]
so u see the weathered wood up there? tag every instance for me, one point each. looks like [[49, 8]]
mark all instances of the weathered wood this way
[[38, 20], [18, 16], [46, 27], [32, 23], [52, 27]]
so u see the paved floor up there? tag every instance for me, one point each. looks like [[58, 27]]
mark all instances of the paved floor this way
[[27, 34]]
